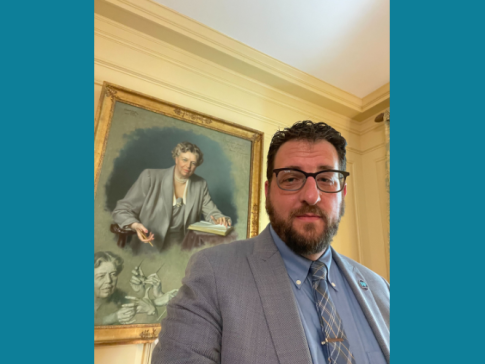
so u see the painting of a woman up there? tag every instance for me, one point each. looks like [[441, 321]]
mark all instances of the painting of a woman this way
[[162, 203]]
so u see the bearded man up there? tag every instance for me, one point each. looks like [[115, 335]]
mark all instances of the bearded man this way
[[284, 296]]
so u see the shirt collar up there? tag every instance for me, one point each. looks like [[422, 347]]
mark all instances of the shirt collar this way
[[174, 202], [297, 266]]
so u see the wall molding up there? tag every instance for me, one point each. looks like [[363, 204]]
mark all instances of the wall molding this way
[[204, 34], [354, 150], [375, 147], [368, 150], [186, 92], [334, 119], [147, 353], [272, 123], [384, 215], [377, 96], [167, 25], [351, 164], [305, 108], [223, 104], [369, 123]]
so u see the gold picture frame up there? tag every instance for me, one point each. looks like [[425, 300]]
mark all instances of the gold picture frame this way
[[111, 95]]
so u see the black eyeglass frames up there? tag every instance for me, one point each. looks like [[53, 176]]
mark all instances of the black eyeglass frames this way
[[329, 181]]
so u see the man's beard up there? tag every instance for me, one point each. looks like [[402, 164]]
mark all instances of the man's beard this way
[[313, 243]]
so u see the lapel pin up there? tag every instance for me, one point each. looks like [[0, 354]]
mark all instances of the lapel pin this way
[[363, 285]]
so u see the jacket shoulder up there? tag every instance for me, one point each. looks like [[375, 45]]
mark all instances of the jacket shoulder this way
[[234, 249], [155, 172], [228, 256]]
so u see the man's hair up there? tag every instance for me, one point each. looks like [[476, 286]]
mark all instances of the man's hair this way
[[308, 131], [102, 257], [185, 147]]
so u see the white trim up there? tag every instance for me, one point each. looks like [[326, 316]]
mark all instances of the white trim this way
[[335, 98]]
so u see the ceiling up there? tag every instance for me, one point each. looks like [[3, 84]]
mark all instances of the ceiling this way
[[343, 43]]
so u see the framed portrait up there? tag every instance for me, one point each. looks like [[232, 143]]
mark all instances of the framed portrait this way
[[168, 182]]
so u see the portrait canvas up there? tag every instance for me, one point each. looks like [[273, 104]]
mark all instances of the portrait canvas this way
[[165, 168]]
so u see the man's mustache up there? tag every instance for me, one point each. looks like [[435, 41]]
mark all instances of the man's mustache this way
[[307, 209]]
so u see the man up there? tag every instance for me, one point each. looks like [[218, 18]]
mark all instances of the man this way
[[167, 201], [284, 296]]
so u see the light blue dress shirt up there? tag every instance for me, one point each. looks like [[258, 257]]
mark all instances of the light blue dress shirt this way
[[363, 343]]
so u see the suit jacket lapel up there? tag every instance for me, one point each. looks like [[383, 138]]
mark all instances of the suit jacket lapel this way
[[192, 193], [279, 304], [367, 303], [167, 196]]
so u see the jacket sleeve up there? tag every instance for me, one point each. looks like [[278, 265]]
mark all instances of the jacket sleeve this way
[[209, 208], [192, 331], [127, 210]]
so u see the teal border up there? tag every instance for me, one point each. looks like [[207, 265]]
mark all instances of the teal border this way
[[437, 82], [47, 159]]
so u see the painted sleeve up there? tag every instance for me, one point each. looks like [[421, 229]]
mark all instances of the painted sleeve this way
[[128, 209]]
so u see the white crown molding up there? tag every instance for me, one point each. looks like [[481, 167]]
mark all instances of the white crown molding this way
[[377, 96], [263, 67], [108, 29], [204, 34], [369, 123]]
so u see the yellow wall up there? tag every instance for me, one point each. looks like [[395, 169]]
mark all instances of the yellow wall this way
[[149, 64]]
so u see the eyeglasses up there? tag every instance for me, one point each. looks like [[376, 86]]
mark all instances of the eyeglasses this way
[[329, 181]]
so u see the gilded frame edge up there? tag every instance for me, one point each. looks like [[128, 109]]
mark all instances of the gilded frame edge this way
[[110, 93]]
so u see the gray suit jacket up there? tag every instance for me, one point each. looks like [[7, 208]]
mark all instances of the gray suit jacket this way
[[236, 306], [150, 200]]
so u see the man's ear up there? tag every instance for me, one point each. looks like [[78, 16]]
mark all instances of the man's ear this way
[[266, 189], [345, 190]]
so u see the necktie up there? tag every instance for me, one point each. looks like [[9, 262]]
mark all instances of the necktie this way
[[336, 343]]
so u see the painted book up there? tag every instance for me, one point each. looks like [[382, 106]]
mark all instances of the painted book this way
[[208, 227]]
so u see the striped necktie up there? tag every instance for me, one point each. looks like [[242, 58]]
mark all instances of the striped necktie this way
[[336, 345]]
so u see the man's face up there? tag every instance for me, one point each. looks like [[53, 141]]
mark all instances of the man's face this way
[[306, 220], [185, 164], [105, 280]]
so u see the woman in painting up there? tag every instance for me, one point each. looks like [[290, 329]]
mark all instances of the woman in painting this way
[[166, 201], [108, 299], [111, 305]]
